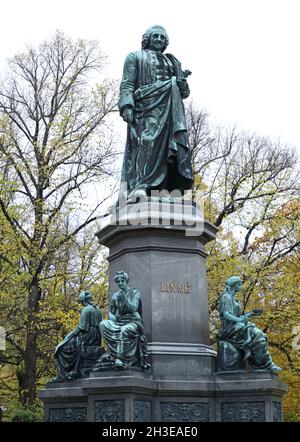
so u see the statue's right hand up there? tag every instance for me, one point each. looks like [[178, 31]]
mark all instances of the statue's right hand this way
[[127, 115]]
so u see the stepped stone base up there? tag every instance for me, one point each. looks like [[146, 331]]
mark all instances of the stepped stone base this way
[[133, 396]]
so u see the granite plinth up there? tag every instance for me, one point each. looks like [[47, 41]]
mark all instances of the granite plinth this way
[[132, 396], [162, 248]]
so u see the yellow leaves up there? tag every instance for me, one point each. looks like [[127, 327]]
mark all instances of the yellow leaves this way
[[210, 210], [55, 313], [285, 219]]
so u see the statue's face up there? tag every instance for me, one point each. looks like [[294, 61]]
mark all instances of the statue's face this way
[[157, 40], [238, 286], [121, 282]]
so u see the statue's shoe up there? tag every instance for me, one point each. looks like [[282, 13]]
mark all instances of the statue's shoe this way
[[137, 195]]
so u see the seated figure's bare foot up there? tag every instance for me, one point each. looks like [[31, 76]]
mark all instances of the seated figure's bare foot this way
[[275, 369], [119, 364], [72, 375], [57, 379]]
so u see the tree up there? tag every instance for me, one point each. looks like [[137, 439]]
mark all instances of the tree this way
[[55, 142]]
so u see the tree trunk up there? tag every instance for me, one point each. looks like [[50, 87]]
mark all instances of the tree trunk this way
[[21, 385], [31, 346]]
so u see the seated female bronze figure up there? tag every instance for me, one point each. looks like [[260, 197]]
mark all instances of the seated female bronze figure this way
[[82, 343], [123, 332], [239, 337]]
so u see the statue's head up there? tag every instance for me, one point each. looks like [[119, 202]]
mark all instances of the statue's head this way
[[85, 296], [121, 279], [148, 37], [234, 283]]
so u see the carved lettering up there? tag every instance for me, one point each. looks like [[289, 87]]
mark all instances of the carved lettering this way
[[181, 288], [163, 287], [188, 288], [172, 287], [176, 287]]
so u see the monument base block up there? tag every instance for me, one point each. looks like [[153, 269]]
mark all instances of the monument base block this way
[[133, 396]]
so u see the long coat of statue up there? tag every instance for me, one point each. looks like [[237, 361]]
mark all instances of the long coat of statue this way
[[157, 154]]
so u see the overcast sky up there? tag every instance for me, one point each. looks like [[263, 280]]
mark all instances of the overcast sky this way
[[244, 54]]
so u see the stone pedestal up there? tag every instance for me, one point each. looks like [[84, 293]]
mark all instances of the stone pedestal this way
[[162, 248], [133, 396]]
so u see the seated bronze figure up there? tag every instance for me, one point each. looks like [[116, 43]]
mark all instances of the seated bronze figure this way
[[79, 350], [123, 332], [240, 342]]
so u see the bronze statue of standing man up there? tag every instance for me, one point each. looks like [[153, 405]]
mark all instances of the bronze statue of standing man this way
[[157, 154]]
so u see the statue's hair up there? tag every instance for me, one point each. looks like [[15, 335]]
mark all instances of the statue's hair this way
[[233, 280], [85, 295], [147, 35], [121, 273]]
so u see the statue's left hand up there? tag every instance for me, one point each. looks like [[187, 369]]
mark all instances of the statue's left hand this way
[[182, 83], [120, 297], [127, 115]]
